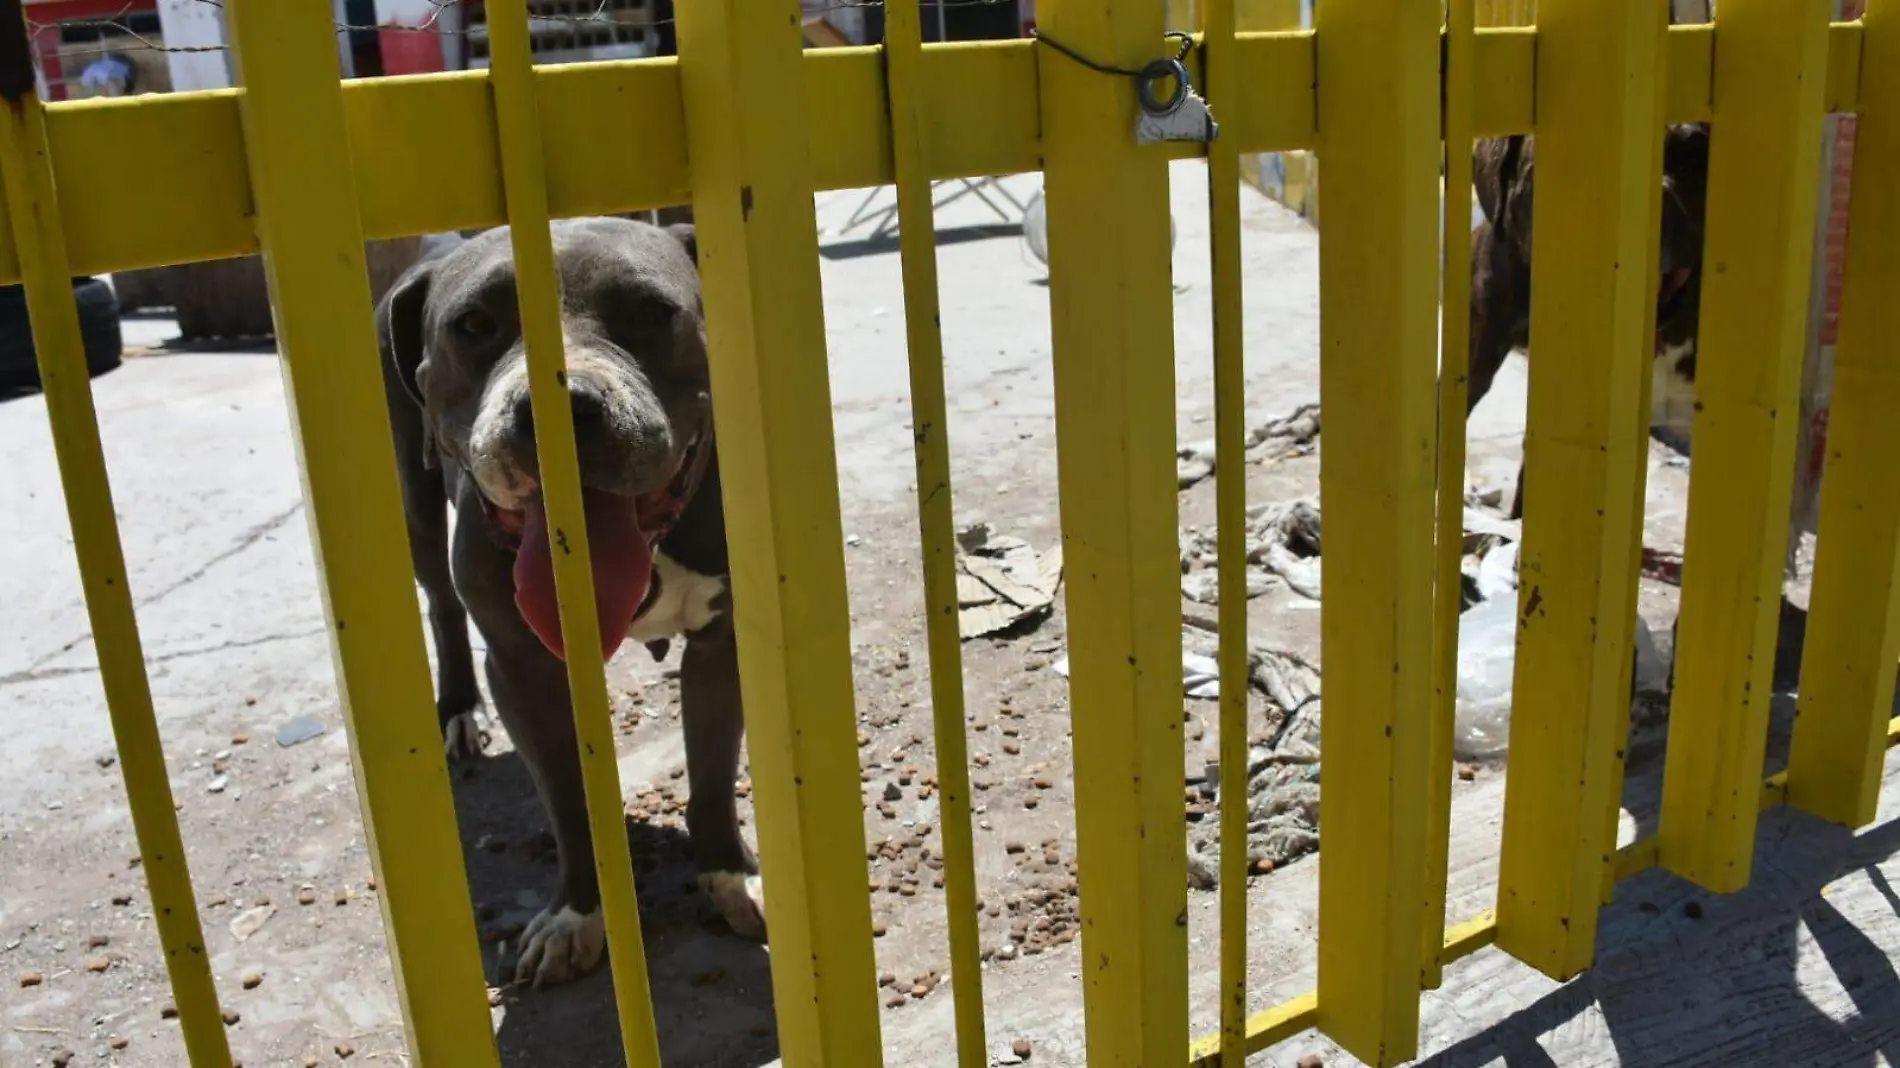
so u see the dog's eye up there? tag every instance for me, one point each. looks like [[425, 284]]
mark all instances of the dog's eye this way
[[477, 325]]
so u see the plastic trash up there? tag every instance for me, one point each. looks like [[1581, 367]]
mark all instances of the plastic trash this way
[[1487, 648], [1200, 675], [1487, 658], [1497, 573], [1652, 667]]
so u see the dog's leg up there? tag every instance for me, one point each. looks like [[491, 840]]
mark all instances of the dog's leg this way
[[1496, 309], [1675, 633], [714, 720], [569, 937], [458, 700], [1500, 302], [425, 504]]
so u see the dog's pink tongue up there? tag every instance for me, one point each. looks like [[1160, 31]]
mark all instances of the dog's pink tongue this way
[[623, 567]]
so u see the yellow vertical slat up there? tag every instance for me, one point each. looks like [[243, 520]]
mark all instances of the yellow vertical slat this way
[[1847, 668], [1599, 146], [1379, 148], [916, 222], [33, 213], [304, 190], [1764, 166], [1453, 390], [741, 74], [537, 288], [1111, 309], [1230, 489]]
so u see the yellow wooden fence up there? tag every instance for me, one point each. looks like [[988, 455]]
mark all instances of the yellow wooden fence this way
[[305, 168]]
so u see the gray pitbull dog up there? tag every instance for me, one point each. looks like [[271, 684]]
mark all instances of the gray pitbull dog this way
[[455, 369]]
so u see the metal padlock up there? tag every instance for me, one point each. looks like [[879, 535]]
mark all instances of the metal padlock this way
[[1180, 116]]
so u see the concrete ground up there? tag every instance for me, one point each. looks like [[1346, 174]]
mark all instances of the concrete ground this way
[[1795, 971]]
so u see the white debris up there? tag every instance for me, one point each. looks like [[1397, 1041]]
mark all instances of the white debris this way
[[1002, 581], [249, 923], [1487, 647], [1289, 435]]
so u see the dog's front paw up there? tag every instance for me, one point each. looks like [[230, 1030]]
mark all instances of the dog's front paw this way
[[560, 946], [463, 736], [740, 899]]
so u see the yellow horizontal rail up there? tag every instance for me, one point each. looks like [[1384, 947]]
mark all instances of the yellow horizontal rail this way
[[1295, 1015], [193, 201]]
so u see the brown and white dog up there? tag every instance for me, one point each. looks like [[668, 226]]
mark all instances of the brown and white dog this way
[[1504, 172], [455, 370]]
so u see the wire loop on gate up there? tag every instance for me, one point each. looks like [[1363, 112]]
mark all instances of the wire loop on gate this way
[[1172, 71], [1146, 77]]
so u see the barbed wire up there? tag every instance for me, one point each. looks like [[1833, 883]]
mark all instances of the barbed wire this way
[[603, 15]]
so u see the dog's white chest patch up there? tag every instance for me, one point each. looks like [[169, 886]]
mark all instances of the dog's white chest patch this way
[[685, 603], [1671, 394]]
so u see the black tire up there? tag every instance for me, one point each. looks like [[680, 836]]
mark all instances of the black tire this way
[[98, 332]]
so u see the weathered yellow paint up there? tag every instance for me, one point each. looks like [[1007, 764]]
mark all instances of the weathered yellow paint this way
[[1378, 260], [1262, 16], [1222, 82], [1690, 59], [1264, 1028], [1844, 43], [1112, 320], [1297, 1014], [1774, 791], [32, 203], [1763, 179], [1847, 672], [1599, 111], [308, 225], [1469, 937], [1453, 390], [1506, 12], [1504, 61], [1298, 187], [758, 247], [929, 417], [1691, 71], [538, 295], [194, 203]]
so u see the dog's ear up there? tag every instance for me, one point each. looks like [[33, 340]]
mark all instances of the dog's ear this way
[[399, 335], [399, 325], [687, 236], [1517, 197], [1501, 171], [1488, 177]]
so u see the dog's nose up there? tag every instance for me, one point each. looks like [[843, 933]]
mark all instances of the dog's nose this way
[[589, 407]]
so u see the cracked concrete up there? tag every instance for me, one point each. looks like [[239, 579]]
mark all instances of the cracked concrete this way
[[40, 674], [48, 666], [204, 485]]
